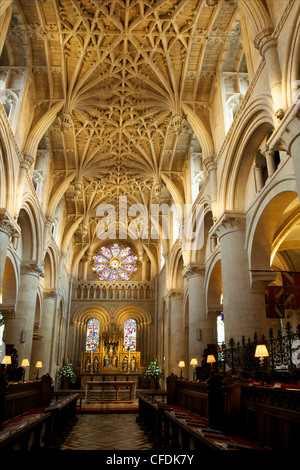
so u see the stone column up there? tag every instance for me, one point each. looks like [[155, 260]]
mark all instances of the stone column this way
[[201, 328], [269, 154], [258, 175], [176, 342], [25, 165], [267, 46], [244, 310], [8, 228], [43, 350], [20, 328]]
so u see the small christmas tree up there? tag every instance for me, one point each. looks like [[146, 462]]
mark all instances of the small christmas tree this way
[[153, 370]]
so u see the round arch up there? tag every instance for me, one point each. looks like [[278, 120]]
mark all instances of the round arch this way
[[176, 267], [279, 206], [213, 284], [82, 315], [139, 314], [253, 129], [31, 226]]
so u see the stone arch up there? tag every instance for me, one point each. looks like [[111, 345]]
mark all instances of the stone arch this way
[[84, 314], [291, 86], [31, 230], [140, 315], [213, 286], [49, 270], [7, 169], [9, 289], [273, 221], [176, 280], [253, 129], [257, 15]]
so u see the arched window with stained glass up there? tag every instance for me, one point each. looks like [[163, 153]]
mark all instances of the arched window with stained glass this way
[[130, 335], [92, 335]]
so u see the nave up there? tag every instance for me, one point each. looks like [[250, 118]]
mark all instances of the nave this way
[[106, 432]]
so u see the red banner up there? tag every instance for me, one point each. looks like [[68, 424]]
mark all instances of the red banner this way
[[275, 302], [291, 286]]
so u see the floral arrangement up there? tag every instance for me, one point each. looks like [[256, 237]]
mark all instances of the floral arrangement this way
[[153, 370], [66, 372]]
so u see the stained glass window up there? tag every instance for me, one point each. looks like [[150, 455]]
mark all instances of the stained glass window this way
[[114, 263], [130, 335], [92, 335]]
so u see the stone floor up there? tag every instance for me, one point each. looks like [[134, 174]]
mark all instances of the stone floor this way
[[105, 432]]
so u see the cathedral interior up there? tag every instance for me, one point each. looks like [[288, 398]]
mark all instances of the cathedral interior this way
[[149, 189]]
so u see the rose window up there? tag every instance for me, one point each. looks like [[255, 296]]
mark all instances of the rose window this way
[[114, 263]]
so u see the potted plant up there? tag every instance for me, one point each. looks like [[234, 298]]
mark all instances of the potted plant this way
[[153, 373], [67, 374]]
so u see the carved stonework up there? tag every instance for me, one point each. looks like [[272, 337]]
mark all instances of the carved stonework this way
[[7, 224], [33, 268], [50, 294], [27, 161], [229, 222], [193, 270]]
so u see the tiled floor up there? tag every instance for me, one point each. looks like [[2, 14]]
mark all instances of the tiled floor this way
[[108, 431]]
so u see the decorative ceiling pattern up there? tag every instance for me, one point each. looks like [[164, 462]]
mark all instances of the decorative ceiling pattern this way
[[126, 76]]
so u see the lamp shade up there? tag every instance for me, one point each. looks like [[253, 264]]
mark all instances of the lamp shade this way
[[6, 360], [25, 363], [194, 362], [181, 364], [211, 358], [39, 364], [261, 351]]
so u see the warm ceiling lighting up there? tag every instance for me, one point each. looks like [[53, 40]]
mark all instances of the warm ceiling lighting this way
[[211, 358], [6, 360], [25, 363]]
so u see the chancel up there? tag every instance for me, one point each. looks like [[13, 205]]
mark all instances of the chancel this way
[[150, 223]]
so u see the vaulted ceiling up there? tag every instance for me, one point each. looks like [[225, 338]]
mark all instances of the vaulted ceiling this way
[[126, 76]]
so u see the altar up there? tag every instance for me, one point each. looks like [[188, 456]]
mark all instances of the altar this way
[[110, 361]]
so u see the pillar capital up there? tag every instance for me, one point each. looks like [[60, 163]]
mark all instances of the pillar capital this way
[[210, 163], [192, 270], [174, 294], [264, 40], [27, 161], [7, 224], [34, 268], [50, 294], [228, 222]]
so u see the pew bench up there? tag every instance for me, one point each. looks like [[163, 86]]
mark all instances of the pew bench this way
[[45, 427], [27, 432]]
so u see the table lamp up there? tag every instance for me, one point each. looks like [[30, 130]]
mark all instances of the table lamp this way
[[24, 363], [38, 366], [194, 363], [261, 352], [211, 359], [181, 365]]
